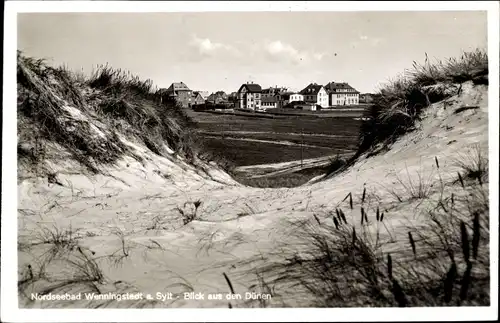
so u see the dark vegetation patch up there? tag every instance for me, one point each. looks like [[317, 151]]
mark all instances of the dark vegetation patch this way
[[283, 180], [85, 115]]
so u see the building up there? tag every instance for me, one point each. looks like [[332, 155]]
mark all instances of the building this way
[[218, 97], [296, 97], [197, 98], [181, 93], [315, 93], [204, 94], [269, 103], [284, 98], [341, 94], [249, 96], [272, 91]]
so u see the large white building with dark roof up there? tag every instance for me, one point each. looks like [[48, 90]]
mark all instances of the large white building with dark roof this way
[[341, 94]]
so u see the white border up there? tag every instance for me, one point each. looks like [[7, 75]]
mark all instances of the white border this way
[[9, 310]]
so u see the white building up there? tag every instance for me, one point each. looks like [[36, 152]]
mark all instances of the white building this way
[[315, 93], [296, 97], [249, 96], [341, 94]]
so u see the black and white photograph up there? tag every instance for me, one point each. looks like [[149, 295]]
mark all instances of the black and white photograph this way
[[273, 156]]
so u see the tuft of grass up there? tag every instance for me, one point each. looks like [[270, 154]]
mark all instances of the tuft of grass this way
[[124, 247], [189, 214], [474, 164], [61, 238], [419, 188], [337, 165]]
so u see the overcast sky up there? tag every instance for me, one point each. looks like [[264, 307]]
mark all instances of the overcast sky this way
[[220, 51]]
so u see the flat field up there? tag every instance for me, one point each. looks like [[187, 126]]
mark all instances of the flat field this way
[[248, 140]]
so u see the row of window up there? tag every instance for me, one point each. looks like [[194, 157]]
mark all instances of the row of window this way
[[256, 95], [348, 101], [312, 97], [348, 94]]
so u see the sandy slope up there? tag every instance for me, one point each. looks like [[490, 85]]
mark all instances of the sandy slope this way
[[235, 223]]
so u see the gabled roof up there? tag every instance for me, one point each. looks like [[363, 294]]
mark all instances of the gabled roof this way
[[178, 87], [204, 94], [274, 90], [286, 95], [198, 94], [330, 87], [251, 88], [311, 89], [217, 96]]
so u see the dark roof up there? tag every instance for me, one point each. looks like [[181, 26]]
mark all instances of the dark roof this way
[[219, 95], [178, 87], [339, 86], [274, 90], [312, 88], [285, 96], [252, 88]]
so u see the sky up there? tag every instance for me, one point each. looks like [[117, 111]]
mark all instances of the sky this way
[[211, 51]]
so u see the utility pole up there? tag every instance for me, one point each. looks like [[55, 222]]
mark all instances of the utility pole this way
[[301, 147]]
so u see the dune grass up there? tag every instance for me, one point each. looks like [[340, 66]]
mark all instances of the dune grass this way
[[88, 115], [361, 256], [399, 102]]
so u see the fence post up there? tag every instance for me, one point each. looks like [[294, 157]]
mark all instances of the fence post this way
[[301, 147]]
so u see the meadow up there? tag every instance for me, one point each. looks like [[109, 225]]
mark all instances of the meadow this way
[[250, 141]]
